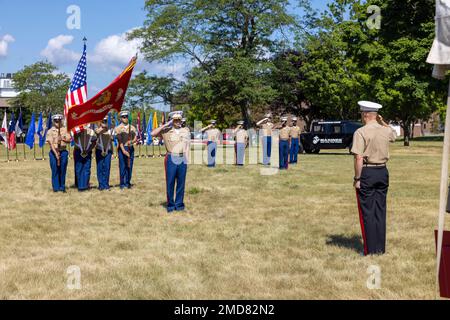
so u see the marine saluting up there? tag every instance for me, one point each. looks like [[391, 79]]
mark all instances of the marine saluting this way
[[371, 181], [266, 126], [213, 136], [177, 143]]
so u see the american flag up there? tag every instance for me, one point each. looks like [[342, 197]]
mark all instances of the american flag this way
[[77, 93]]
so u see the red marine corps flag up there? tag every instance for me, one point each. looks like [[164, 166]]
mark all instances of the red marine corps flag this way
[[97, 108]]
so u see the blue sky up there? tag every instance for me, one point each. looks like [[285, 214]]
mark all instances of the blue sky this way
[[36, 30]]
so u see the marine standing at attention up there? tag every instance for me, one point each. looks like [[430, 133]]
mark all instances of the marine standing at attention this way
[[177, 143], [58, 138], [126, 137], [241, 137], [295, 141], [103, 154], [285, 133], [85, 142], [266, 126], [371, 150]]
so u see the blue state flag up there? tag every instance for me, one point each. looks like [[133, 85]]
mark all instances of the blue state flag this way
[[29, 141], [43, 135], [40, 127], [149, 131], [19, 125]]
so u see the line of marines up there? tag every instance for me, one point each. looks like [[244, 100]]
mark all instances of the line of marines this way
[[176, 136], [370, 149], [86, 141]]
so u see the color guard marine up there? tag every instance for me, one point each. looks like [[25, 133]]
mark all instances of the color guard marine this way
[[85, 142], [241, 139], [58, 138], [266, 126], [213, 136], [126, 137], [295, 141], [177, 143], [104, 153], [371, 150]]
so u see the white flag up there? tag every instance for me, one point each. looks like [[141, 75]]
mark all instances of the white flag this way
[[440, 52]]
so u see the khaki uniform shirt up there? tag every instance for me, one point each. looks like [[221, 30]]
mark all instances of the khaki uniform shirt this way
[[295, 132], [285, 133], [123, 134], [372, 142], [84, 139], [241, 136], [267, 129], [186, 132], [52, 138], [213, 135], [104, 140], [176, 140]]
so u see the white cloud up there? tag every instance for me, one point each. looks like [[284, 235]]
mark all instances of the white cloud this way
[[56, 53], [4, 44], [111, 54], [114, 52]]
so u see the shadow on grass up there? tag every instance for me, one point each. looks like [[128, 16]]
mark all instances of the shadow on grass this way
[[327, 154], [354, 242], [430, 139], [164, 204]]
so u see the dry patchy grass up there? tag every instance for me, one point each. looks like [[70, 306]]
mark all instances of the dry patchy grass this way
[[295, 235]]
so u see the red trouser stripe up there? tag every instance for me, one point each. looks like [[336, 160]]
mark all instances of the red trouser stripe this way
[[361, 221], [165, 168]]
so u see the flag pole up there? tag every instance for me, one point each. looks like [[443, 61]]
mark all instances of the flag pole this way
[[17, 152], [24, 150], [7, 147], [443, 190]]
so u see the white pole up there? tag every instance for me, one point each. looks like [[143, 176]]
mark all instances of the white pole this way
[[443, 191]]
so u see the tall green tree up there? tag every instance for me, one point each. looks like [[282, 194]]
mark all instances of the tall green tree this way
[[397, 55], [228, 40], [145, 91], [41, 88], [347, 61]]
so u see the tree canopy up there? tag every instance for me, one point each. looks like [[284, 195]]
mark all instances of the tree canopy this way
[[41, 88], [230, 43], [249, 57]]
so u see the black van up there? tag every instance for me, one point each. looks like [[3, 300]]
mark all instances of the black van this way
[[329, 135]]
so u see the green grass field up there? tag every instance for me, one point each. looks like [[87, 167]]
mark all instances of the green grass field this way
[[295, 235]]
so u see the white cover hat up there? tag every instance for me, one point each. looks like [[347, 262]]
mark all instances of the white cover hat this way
[[176, 115], [367, 106]]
